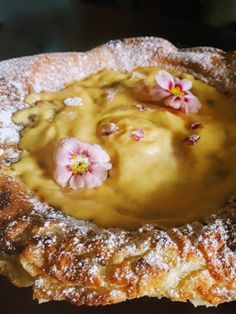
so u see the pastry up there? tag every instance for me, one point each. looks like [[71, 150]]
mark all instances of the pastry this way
[[117, 173]]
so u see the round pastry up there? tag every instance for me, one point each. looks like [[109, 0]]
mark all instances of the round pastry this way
[[117, 173]]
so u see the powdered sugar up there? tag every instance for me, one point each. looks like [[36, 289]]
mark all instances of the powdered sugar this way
[[139, 75], [111, 93], [73, 102], [9, 132]]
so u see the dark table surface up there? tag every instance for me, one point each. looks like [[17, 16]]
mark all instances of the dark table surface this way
[[31, 27], [19, 301], [79, 25]]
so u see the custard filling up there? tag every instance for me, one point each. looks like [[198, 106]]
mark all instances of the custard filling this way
[[181, 169]]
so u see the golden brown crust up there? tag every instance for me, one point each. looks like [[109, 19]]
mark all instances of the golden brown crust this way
[[75, 260]]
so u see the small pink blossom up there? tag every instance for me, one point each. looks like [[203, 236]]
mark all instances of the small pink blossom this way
[[175, 92], [137, 135], [192, 139], [80, 165]]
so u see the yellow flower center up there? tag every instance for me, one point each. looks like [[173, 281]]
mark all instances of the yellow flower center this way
[[79, 164], [176, 90]]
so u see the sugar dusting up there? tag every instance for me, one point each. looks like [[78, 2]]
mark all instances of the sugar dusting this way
[[13, 77], [73, 102], [111, 93], [9, 132], [143, 252]]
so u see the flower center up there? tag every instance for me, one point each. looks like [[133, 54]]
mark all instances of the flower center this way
[[79, 164], [176, 90]]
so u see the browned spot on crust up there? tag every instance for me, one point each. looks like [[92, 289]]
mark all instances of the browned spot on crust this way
[[4, 198]]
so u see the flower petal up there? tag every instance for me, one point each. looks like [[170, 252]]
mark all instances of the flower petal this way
[[76, 182], [97, 154], [185, 85], [158, 93], [99, 172], [66, 148], [106, 165], [165, 79], [190, 103], [173, 101], [62, 157], [91, 181], [62, 175]]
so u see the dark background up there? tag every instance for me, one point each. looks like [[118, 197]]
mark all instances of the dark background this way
[[19, 301], [33, 26]]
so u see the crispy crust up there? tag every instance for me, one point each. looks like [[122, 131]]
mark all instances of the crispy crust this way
[[68, 259]]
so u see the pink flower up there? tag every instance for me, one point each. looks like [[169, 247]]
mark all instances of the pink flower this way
[[137, 135], [175, 92], [80, 165]]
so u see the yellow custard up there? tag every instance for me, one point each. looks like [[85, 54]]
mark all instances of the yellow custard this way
[[158, 179]]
